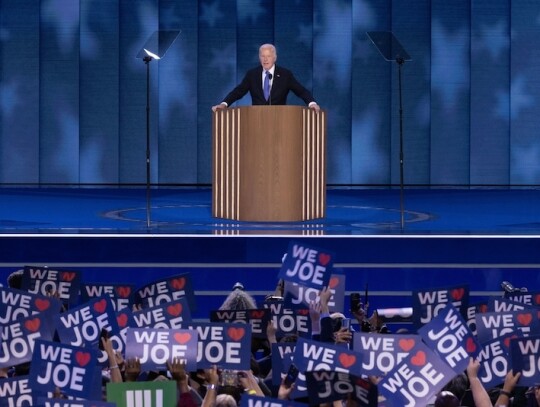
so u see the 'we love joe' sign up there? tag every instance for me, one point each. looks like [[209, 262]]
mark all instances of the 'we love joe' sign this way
[[225, 345], [16, 304], [449, 335], [155, 347], [43, 280], [416, 379], [307, 265], [428, 303], [69, 368]]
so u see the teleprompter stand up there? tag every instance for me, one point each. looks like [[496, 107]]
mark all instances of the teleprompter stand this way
[[391, 50], [155, 48]]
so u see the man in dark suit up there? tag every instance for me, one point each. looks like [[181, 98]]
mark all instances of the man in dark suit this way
[[268, 84]]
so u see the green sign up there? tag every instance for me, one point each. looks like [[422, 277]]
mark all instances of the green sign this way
[[143, 394]]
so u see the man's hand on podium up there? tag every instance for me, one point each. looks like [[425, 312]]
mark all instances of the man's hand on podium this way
[[222, 105], [314, 106]]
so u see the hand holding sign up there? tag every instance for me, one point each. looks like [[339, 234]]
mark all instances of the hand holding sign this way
[[525, 357]]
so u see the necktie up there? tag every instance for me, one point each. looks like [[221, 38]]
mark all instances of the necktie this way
[[266, 86]]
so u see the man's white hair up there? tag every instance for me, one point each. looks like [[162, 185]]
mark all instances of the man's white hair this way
[[271, 47]]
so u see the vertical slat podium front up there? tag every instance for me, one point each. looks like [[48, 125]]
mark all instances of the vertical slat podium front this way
[[269, 164]]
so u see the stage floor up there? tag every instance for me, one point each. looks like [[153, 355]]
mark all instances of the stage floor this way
[[450, 237], [350, 211]]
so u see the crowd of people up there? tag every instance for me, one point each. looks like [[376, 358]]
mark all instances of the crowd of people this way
[[219, 387]]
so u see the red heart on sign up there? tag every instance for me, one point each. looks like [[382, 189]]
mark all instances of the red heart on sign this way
[[302, 311], [324, 258], [419, 359], [182, 338], [334, 282], [257, 314], [32, 324], [458, 293], [347, 360], [406, 344], [174, 310], [100, 306], [123, 292], [236, 333], [178, 283], [42, 304], [471, 345], [82, 358], [67, 276], [524, 319], [362, 383], [508, 339], [122, 320]]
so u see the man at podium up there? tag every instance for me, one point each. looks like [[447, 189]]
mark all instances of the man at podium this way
[[268, 84]]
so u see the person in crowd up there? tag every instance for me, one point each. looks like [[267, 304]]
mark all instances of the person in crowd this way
[[268, 84], [221, 394], [115, 359], [481, 397], [533, 396], [238, 299], [446, 399], [504, 397], [208, 388], [187, 396], [479, 393], [14, 280], [457, 387], [326, 326]]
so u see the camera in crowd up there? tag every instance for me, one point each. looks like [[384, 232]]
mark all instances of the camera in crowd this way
[[230, 378]]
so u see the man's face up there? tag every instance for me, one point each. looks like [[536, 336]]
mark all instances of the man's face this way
[[267, 58]]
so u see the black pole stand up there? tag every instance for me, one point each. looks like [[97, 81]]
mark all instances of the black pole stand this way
[[147, 61], [155, 48], [400, 61], [391, 50]]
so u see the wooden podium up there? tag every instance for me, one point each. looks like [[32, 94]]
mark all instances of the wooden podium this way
[[269, 164]]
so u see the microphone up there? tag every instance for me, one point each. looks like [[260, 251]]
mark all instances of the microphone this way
[[270, 90]]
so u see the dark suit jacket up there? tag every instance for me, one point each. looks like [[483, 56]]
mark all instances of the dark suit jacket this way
[[282, 83]]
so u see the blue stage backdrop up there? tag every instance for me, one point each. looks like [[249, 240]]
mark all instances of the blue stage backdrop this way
[[73, 93]]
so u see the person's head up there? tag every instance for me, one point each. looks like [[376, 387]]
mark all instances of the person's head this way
[[238, 300], [225, 400], [267, 56], [337, 318], [458, 386], [446, 399], [14, 280]]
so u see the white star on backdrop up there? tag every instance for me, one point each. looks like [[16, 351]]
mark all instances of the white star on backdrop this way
[[450, 66], [494, 39], [210, 13], [64, 15], [250, 10]]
